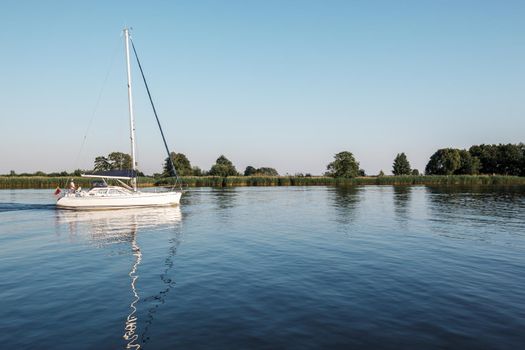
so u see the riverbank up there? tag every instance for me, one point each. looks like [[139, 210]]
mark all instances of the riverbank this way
[[21, 182]]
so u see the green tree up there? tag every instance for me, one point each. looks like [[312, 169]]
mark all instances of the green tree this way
[[469, 165], [196, 171], [510, 158], [102, 164], [444, 162], [119, 161], [223, 167], [415, 172], [401, 165], [181, 163], [503, 159], [114, 161], [381, 173], [265, 171], [249, 171], [344, 165], [488, 157], [522, 172]]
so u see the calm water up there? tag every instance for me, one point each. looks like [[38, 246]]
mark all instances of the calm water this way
[[268, 268]]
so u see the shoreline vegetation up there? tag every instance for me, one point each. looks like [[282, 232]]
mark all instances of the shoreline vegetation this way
[[501, 164], [47, 182]]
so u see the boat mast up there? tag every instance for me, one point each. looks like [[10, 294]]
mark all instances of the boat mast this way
[[130, 104]]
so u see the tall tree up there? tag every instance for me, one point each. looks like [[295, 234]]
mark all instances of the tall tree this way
[[196, 171], [488, 157], [119, 161], [181, 163], [263, 171], [401, 165], [102, 164], [503, 159], [266, 171], [509, 159], [114, 161], [249, 171], [444, 162], [469, 165], [522, 146], [223, 167], [344, 165]]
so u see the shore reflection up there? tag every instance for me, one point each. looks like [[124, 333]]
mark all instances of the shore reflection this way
[[225, 198], [345, 201], [491, 212], [402, 196], [110, 227]]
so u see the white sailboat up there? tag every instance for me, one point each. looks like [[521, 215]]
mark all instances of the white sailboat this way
[[104, 196]]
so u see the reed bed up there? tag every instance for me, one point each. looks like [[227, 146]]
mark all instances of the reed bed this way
[[20, 182], [193, 181], [231, 181]]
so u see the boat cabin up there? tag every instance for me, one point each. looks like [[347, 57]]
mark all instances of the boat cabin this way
[[108, 191]]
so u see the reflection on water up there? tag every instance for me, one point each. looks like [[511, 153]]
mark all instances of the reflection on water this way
[[346, 204], [269, 268], [13, 206], [131, 322], [225, 198], [115, 226], [488, 212], [402, 197], [119, 226], [160, 298]]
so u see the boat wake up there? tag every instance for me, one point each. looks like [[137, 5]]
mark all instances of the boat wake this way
[[24, 206]]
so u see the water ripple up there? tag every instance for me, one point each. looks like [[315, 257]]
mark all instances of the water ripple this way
[[7, 206], [269, 268]]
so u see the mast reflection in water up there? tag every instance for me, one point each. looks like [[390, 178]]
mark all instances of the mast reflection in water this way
[[119, 226]]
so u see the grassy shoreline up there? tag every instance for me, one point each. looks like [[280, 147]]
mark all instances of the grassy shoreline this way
[[35, 182]]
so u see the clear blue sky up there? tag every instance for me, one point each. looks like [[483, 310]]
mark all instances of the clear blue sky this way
[[285, 84]]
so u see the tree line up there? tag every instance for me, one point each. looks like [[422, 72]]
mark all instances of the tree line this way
[[223, 167], [501, 159], [346, 166]]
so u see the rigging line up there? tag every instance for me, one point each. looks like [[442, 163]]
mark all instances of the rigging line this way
[[97, 104], [172, 166]]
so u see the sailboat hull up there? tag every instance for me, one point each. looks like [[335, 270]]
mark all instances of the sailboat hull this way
[[134, 200]]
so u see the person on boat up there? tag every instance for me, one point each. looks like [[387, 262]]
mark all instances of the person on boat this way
[[72, 187]]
